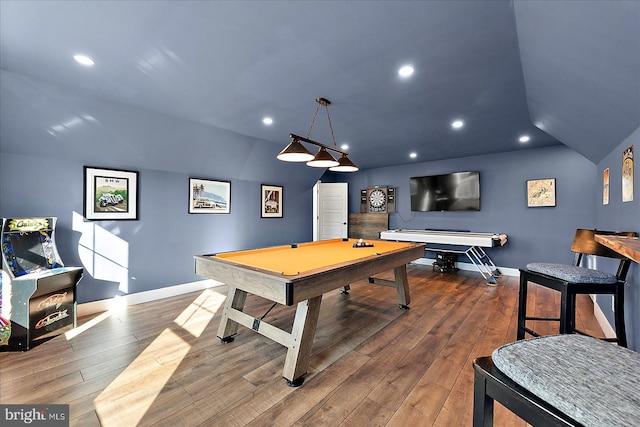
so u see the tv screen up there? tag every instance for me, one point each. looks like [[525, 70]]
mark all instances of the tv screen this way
[[459, 191]]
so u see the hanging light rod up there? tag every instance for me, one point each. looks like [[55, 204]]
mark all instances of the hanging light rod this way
[[319, 144], [296, 152]]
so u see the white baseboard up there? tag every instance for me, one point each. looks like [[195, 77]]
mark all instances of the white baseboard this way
[[140, 297], [93, 307], [506, 271], [608, 330]]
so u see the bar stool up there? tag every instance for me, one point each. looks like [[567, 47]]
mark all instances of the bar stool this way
[[571, 280]]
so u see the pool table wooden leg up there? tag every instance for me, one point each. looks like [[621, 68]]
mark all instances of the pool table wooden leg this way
[[401, 283], [296, 363], [402, 286], [228, 328]]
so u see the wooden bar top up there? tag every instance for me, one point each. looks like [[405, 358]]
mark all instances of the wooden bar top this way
[[627, 246]]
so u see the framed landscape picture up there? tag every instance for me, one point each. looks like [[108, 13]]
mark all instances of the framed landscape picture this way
[[208, 196], [110, 194], [271, 196], [541, 192]]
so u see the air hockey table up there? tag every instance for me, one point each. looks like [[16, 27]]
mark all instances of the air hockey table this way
[[473, 242]]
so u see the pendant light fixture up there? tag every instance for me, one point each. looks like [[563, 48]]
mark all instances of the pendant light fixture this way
[[297, 152]]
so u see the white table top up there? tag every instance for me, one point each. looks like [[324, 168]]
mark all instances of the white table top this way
[[486, 240]]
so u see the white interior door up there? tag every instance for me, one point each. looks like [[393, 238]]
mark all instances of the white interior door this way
[[330, 210]]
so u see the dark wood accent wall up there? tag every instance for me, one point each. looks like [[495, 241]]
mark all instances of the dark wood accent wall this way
[[367, 225]]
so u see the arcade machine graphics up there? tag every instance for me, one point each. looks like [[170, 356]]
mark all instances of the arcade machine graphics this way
[[38, 292], [5, 325]]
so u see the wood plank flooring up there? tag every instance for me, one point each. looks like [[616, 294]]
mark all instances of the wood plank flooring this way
[[373, 364]]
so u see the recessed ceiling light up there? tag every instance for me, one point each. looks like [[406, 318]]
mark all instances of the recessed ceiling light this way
[[84, 60], [524, 138], [405, 71], [413, 155], [457, 124], [267, 121], [345, 146]]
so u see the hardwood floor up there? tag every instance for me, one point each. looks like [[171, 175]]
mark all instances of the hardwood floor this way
[[373, 364]]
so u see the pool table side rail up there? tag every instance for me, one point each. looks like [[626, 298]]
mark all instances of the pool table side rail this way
[[289, 290], [320, 281], [253, 280]]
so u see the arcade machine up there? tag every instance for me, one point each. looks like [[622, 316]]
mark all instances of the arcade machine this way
[[38, 293]]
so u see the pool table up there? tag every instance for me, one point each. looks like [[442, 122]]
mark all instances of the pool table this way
[[299, 274]]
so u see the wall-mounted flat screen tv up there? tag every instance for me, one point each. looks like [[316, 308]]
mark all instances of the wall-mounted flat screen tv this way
[[459, 191]]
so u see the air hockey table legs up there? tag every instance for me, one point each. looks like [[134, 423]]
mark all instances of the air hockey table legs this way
[[483, 264]]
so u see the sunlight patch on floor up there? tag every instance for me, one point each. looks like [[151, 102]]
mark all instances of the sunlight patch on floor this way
[[117, 305], [129, 396], [86, 326], [206, 305]]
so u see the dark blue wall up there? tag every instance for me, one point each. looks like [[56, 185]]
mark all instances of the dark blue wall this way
[[41, 174], [622, 217], [535, 234], [161, 244], [49, 133]]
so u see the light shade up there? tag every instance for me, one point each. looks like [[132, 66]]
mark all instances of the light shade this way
[[344, 165], [323, 159], [295, 152]]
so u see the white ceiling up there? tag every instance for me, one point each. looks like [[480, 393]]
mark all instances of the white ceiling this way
[[570, 68]]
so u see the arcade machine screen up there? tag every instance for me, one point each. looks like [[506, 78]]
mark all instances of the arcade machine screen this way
[[28, 251]]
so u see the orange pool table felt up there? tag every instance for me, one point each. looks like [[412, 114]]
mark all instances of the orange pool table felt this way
[[292, 260]]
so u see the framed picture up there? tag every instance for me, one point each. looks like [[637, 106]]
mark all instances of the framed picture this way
[[627, 175], [110, 194], [271, 196], [541, 192], [208, 196], [605, 187]]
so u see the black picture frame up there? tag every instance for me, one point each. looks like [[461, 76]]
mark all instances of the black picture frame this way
[[208, 196], [110, 194], [541, 192], [271, 201]]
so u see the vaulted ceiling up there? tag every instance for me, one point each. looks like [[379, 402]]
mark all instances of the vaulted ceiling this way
[[560, 72]]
